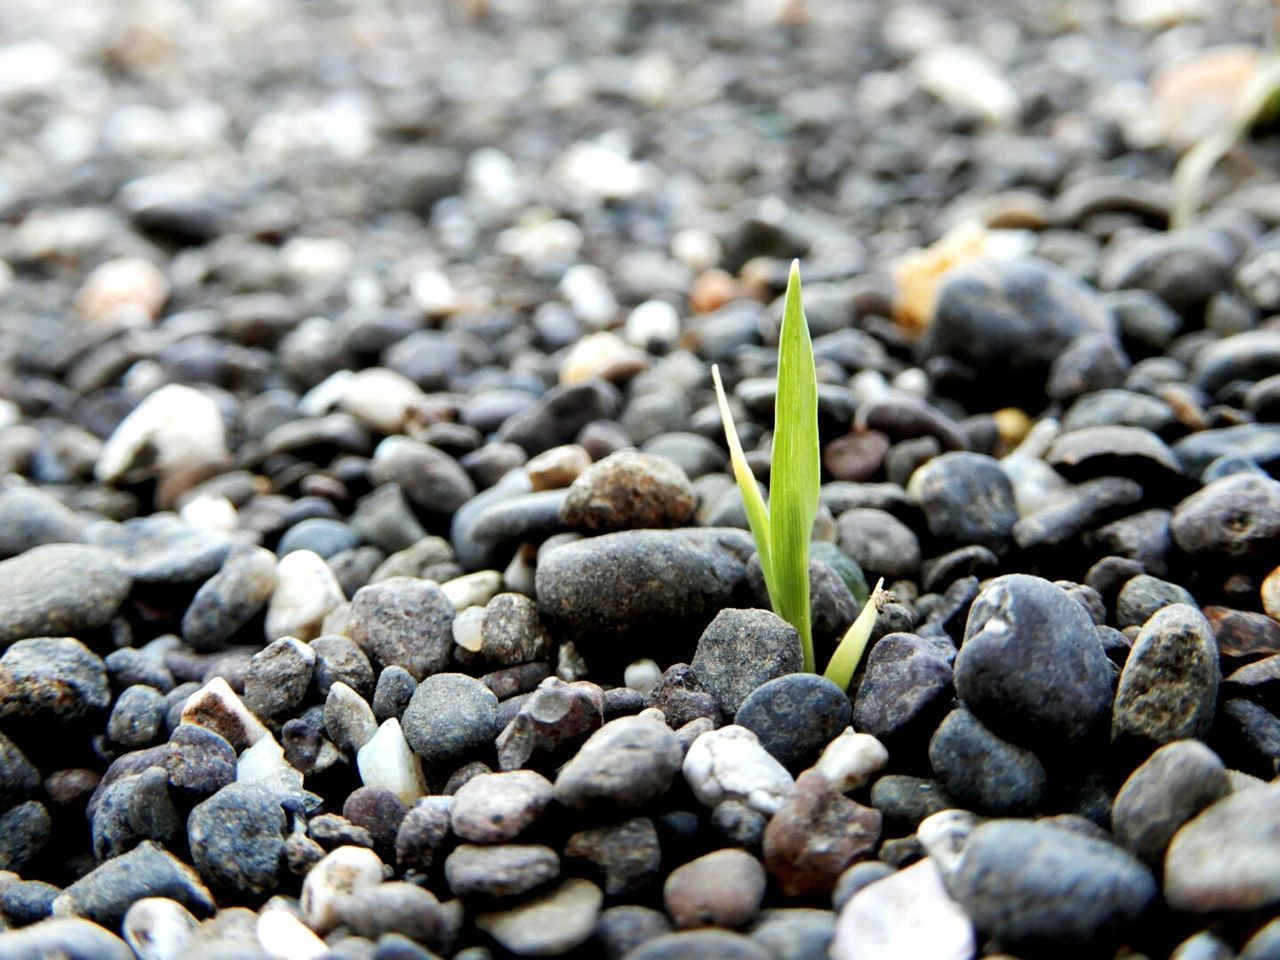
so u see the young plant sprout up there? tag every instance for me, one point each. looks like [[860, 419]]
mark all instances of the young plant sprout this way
[[1258, 102], [783, 527]]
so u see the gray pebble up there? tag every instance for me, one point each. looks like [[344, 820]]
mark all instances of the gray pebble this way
[[795, 716], [628, 490], [550, 723], [699, 944], [60, 589], [278, 677], [502, 870], [104, 894], [904, 690], [162, 548], [982, 772], [879, 543], [1174, 784], [230, 598], [628, 854], [70, 937], [623, 928], [966, 498], [24, 833], [1237, 518], [450, 715], [1032, 667], [497, 807], [394, 691], [137, 718], [741, 649], [404, 622], [1038, 887], [512, 632], [237, 838], [624, 764], [1143, 595]]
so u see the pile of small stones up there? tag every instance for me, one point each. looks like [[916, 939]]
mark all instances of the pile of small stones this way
[[373, 585]]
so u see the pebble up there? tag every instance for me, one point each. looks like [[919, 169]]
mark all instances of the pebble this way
[[624, 764], [511, 632], [1114, 451], [742, 649], [278, 677], [966, 499], [695, 944], [105, 894], [1218, 861], [794, 716], [654, 583], [498, 807], [905, 688], [1068, 512], [343, 873], [386, 761], [1026, 308], [1236, 517], [1172, 786], [404, 622], [284, 937], [338, 659], [982, 772], [559, 415], [66, 936], [1035, 886], [815, 835], [624, 928], [162, 549], [472, 589], [851, 760], [504, 870], [906, 914], [230, 598], [52, 678], [24, 834], [642, 676], [627, 854], [60, 589], [431, 479], [1032, 667], [730, 764], [237, 838], [199, 761], [628, 490], [880, 543], [29, 518], [1169, 685], [137, 717], [176, 428], [549, 925], [306, 592], [450, 715], [719, 889], [680, 696], [384, 518], [551, 723], [602, 356], [423, 831], [1259, 442], [216, 707], [158, 928]]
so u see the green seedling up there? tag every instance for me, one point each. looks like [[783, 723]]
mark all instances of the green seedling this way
[[1258, 102], [783, 527]]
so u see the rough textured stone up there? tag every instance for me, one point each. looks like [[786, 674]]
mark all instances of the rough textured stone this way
[[740, 650], [625, 763], [629, 490]]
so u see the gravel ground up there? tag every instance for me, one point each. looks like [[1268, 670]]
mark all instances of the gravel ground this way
[[372, 581]]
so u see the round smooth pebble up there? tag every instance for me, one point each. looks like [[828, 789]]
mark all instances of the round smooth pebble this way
[[549, 925], [794, 716], [624, 764], [450, 715], [719, 889], [497, 807]]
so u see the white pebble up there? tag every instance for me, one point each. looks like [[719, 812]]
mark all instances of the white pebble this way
[[306, 590], [158, 928], [944, 836], [285, 937], [265, 761], [467, 628], [472, 589], [519, 577], [492, 181], [696, 249], [1035, 483], [642, 675], [601, 356], [387, 761], [432, 292], [963, 78], [209, 512], [177, 427], [906, 914], [128, 292], [342, 873], [381, 398], [654, 324], [325, 395], [730, 764], [542, 244], [601, 170], [586, 288], [851, 760]]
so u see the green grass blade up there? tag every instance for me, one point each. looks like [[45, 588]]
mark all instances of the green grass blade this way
[[844, 662], [795, 474], [757, 511]]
